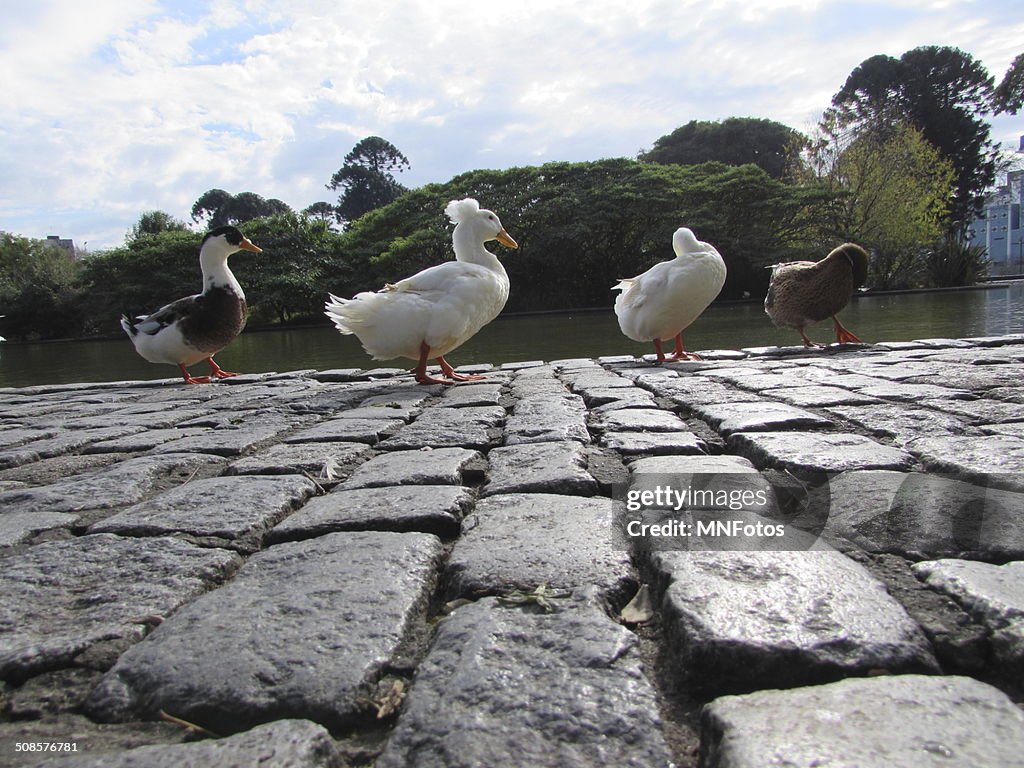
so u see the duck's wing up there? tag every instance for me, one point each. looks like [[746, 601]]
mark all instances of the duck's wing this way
[[167, 315], [446, 278]]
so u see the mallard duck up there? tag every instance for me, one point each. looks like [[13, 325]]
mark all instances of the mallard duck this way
[[433, 312], [802, 293], [198, 327], [664, 301]]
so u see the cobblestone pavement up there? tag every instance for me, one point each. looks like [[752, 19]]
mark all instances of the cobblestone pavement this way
[[343, 568]]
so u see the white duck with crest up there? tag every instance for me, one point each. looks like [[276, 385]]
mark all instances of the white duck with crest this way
[[438, 309]]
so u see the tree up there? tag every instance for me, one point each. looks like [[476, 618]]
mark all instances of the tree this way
[[154, 222], [1009, 94], [735, 141], [322, 211], [37, 289], [944, 93], [365, 178], [581, 226], [889, 191], [216, 208]]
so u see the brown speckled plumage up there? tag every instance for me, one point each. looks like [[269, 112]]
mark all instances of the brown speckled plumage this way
[[802, 293]]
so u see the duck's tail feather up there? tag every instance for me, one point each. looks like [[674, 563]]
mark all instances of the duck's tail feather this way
[[130, 329]]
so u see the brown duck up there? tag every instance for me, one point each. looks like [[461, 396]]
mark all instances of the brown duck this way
[[802, 293]]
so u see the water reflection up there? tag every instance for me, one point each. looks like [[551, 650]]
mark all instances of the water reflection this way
[[893, 317]]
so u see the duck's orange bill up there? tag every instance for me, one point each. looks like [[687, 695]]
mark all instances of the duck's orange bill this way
[[505, 238], [247, 245]]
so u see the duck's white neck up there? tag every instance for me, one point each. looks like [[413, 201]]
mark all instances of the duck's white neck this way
[[468, 247], [217, 274]]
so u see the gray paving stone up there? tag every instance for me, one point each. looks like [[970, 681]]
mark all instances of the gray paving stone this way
[[923, 515], [257, 430], [914, 393], [18, 527], [522, 541], [438, 466], [763, 416], [974, 377], [740, 620], [639, 420], [11, 437], [992, 459], [65, 441], [545, 419], [906, 721], [470, 427], [654, 443], [730, 474], [469, 395], [539, 468], [347, 430], [436, 509], [143, 441], [806, 453], [61, 598], [235, 512], [979, 411], [689, 391], [1014, 429], [502, 686], [582, 380], [120, 485], [325, 461], [992, 595], [304, 630], [604, 400], [818, 395], [902, 423], [405, 412], [288, 743]]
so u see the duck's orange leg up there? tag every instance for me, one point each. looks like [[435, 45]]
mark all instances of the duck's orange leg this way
[[657, 348], [448, 371], [190, 379], [420, 371], [808, 342], [217, 372], [680, 353], [843, 336]]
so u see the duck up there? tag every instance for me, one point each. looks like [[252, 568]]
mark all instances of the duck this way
[[435, 311], [801, 293], [195, 328], [665, 300]]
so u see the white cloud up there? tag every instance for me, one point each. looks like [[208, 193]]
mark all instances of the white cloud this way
[[128, 108]]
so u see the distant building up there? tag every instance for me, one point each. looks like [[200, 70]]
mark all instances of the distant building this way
[[998, 228], [65, 244]]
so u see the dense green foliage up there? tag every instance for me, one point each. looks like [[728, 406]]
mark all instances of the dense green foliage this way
[[38, 289], [944, 93], [898, 164], [735, 141], [215, 208]]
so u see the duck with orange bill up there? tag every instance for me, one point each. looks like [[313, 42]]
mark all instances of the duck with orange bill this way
[[195, 328], [431, 313]]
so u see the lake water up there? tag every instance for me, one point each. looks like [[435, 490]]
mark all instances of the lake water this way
[[891, 317]]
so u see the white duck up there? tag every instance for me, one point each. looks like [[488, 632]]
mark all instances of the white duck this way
[[434, 311], [663, 301], [196, 328]]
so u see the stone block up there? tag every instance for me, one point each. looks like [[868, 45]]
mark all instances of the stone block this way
[[304, 630], [539, 468]]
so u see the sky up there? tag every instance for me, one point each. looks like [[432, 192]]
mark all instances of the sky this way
[[109, 109]]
